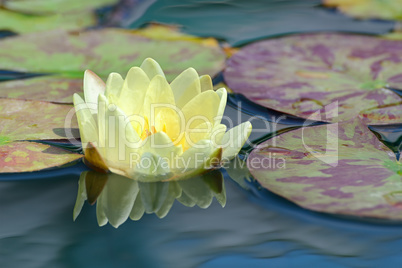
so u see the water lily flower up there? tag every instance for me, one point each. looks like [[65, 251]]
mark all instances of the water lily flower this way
[[144, 128]]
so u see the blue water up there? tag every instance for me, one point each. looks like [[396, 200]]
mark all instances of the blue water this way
[[256, 228]]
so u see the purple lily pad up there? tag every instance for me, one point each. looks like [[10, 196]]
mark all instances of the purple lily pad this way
[[337, 168], [24, 156], [44, 88], [303, 74], [35, 120], [391, 114]]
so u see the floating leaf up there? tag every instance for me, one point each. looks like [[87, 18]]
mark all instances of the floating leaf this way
[[25, 16], [391, 114], [172, 33], [22, 23], [303, 74], [44, 88], [36, 120], [242, 21], [54, 7], [367, 9], [337, 168], [31, 156], [105, 51]]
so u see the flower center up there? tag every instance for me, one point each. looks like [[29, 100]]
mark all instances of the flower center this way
[[149, 130]]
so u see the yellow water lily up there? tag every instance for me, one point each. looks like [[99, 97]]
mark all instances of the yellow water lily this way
[[144, 128]]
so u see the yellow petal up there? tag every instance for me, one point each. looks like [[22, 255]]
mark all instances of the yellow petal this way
[[185, 87], [151, 168], [132, 95], [159, 108], [196, 158], [114, 83], [86, 122], [217, 134], [194, 135], [234, 139], [103, 105], [151, 68], [160, 144], [121, 139], [201, 109], [223, 95], [206, 83], [93, 86]]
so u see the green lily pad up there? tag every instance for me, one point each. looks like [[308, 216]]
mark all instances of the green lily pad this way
[[367, 9], [31, 156], [22, 23], [44, 88], [337, 168], [25, 16], [333, 75], [105, 51], [54, 7], [35, 120]]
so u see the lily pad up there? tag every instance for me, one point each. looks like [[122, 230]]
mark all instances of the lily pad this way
[[105, 51], [25, 16], [44, 88], [36, 120], [54, 7], [337, 75], [367, 9], [391, 114], [337, 168], [31, 156], [22, 23]]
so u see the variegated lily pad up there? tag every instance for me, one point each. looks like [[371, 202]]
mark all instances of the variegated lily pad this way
[[31, 156], [366, 9], [36, 120], [44, 88], [54, 7], [304, 74], [22, 23], [25, 16], [391, 114], [337, 168], [105, 51]]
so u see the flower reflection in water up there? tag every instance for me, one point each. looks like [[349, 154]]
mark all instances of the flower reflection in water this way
[[118, 198]]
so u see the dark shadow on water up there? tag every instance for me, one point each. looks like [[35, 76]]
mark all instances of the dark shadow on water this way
[[390, 135], [70, 170], [6, 75], [65, 132], [5, 33]]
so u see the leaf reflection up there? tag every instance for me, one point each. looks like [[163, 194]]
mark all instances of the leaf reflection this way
[[119, 198]]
